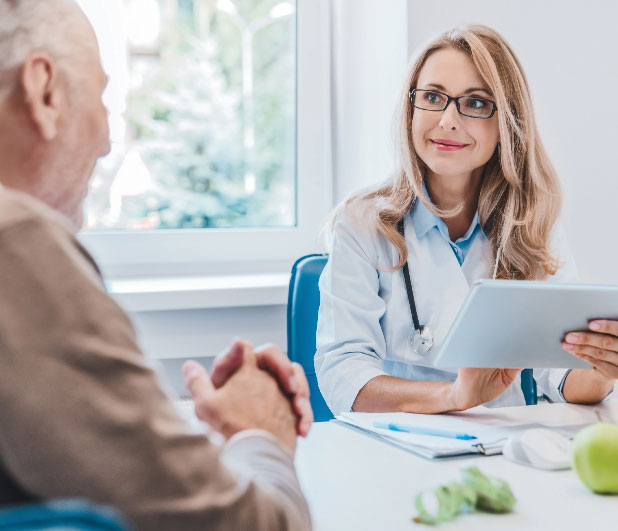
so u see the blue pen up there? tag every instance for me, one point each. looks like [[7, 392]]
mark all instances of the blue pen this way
[[392, 426]]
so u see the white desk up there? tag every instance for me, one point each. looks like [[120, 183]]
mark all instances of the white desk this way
[[356, 483]]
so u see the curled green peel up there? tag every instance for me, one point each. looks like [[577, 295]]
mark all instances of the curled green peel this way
[[477, 491]]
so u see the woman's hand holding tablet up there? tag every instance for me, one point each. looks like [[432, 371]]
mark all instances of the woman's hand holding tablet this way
[[474, 387], [598, 347]]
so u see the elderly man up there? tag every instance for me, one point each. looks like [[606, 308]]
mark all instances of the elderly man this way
[[81, 415]]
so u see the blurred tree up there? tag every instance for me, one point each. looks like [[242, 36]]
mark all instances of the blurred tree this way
[[185, 121]]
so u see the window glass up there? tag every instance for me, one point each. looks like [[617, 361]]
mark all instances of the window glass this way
[[202, 101]]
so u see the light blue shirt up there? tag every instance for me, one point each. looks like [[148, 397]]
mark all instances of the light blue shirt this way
[[424, 221], [364, 320]]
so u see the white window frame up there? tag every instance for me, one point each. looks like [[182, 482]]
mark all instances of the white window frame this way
[[218, 251]]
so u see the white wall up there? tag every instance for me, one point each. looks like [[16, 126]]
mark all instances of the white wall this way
[[568, 50], [197, 333], [369, 66]]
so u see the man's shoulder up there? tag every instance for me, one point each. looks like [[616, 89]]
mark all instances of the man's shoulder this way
[[24, 220], [17, 208]]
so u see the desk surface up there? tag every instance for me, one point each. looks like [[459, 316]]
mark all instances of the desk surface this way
[[356, 483]]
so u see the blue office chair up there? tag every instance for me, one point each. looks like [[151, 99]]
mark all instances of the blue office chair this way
[[62, 515], [302, 318], [303, 304], [528, 386]]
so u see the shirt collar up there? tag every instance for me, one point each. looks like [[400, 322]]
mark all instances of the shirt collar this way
[[423, 221]]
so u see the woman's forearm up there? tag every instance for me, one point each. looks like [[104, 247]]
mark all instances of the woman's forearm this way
[[584, 386], [387, 393]]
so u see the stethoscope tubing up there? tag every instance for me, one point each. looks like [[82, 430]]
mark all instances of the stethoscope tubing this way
[[408, 281]]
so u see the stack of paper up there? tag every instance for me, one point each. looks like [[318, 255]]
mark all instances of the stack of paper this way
[[482, 438]]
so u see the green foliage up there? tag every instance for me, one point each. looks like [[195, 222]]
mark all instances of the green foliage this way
[[186, 117]]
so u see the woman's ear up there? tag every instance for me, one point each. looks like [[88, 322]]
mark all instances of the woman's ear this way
[[42, 92]]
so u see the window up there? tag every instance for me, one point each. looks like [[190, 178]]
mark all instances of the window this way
[[219, 121]]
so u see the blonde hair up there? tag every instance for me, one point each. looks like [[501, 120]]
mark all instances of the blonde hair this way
[[520, 197]]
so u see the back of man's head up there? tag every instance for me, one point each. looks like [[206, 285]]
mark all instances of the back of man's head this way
[[34, 25], [53, 125]]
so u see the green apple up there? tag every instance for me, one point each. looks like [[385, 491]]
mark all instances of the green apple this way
[[595, 457]]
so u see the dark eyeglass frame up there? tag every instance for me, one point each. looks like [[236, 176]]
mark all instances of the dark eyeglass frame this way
[[448, 101]]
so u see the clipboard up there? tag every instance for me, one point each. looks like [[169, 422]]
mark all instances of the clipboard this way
[[489, 438]]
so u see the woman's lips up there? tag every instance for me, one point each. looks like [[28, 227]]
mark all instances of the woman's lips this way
[[447, 145]]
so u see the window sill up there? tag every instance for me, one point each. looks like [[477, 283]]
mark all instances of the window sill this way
[[199, 292]]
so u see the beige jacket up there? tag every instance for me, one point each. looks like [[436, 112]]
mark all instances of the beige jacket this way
[[81, 415]]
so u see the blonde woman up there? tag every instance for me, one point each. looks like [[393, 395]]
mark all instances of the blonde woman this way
[[475, 197]]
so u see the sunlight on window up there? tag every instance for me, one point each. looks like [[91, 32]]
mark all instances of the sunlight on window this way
[[202, 114]]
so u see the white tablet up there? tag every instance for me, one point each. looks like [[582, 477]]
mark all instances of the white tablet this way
[[520, 324]]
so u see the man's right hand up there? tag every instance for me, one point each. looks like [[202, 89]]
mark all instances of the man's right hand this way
[[474, 387], [249, 399], [290, 376]]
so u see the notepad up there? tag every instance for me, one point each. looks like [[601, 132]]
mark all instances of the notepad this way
[[489, 439]]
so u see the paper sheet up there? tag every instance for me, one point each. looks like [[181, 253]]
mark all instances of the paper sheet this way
[[489, 438]]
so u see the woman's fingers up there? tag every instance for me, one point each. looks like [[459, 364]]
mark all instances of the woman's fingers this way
[[598, 349], [595, 353], [604, 326], [592, 339], [475, 386]]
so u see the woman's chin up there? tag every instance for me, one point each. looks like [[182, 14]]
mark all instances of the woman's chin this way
[[447, 169]]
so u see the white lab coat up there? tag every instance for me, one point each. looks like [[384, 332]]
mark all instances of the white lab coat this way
[[364, 319]]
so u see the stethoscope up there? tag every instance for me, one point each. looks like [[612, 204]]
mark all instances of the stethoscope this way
[[420, 340]]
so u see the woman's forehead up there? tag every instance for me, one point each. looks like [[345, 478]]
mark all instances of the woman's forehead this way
[[451, 69]]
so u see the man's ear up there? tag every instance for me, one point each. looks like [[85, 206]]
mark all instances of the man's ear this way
[[43, 93]]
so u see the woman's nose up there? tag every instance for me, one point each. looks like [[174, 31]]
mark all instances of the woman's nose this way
[[450, 118]]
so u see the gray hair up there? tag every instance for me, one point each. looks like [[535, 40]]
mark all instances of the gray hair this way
[[27, 26]]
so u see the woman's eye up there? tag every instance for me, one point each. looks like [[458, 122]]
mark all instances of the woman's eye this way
[[432, 97], [476, 103]]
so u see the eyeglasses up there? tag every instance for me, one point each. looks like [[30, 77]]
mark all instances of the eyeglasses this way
[[471, 106]]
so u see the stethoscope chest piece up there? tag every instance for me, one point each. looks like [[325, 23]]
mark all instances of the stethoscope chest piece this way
[[421, 340]]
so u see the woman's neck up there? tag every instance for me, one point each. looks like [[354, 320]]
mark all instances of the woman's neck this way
[[449, 191]]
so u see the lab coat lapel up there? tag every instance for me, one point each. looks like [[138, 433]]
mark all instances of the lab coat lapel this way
[[478, 260], [440, 283]]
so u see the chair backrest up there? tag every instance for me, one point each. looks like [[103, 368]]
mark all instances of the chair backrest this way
[[302, 319], [62, 515], [303, 305]]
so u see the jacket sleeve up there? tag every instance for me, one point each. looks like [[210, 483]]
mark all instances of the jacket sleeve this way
[[350, 341], [83, 416]]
